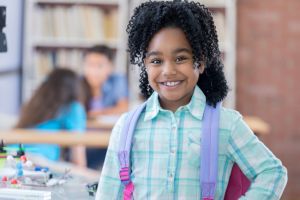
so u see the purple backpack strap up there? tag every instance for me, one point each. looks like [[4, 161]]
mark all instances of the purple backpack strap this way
[[209, 152], [125, 148]]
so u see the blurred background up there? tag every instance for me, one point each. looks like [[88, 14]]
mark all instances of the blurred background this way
[[259, 40]]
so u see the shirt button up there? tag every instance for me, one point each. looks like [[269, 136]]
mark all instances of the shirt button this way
[[171, 175], [172, 151]]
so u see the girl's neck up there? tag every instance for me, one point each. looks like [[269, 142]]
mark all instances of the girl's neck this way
[[172, 105]]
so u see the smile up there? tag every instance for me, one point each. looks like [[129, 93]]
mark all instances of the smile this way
[[171, 83]]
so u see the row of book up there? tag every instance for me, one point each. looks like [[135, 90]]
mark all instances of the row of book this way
[[88, 22], [45, 61]]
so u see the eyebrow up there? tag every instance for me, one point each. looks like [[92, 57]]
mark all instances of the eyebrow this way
[[155, 53], [182, 50]]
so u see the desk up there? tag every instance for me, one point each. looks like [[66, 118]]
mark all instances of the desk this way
[[74, 188], [257, 125], [106, 122], [94, 124], [62, 138], [94, 138]]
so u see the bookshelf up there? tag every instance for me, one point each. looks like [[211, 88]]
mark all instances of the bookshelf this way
[[44, 48], [224, 13], [58, 31]]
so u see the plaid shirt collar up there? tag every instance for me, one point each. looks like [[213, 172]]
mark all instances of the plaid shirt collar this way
[[196, 106]]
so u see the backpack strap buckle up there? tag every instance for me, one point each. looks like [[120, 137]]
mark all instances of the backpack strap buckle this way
[[124, 175]]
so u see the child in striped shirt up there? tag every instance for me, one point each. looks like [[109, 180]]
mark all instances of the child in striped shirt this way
[[176, 47]]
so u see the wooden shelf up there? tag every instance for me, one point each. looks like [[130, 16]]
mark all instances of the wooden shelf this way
[[214, 4], [62, 138], [78, 2], [56, 29], [72, 43]]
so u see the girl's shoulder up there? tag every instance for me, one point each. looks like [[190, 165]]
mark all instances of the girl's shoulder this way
[[124, 118], [73, 108], [76, 105], [228, 117]]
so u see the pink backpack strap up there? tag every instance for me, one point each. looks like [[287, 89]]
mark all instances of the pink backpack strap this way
[[125, 148]]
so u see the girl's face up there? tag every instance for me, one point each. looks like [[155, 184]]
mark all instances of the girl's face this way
[[170, 68]]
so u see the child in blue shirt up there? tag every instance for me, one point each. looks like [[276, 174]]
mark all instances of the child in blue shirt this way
[[56, 105], [176, 47], [106, 90]]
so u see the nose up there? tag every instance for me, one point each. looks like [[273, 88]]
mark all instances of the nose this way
[[169, 69]]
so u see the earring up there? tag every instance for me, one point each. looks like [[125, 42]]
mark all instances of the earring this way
[[196, 65]]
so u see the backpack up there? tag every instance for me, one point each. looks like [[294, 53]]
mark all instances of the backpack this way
[[238, 183]]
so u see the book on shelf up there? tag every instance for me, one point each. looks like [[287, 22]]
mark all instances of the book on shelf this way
[[45, 61], [111, 24], [72, 22]]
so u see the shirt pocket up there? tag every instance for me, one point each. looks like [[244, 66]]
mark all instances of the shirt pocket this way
[[194, 149]]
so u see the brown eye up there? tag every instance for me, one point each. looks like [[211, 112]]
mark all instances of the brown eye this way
[[180, 59], [156, 61]]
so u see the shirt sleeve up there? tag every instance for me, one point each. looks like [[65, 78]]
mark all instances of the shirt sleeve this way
[[267, 174], [75, 118], [121, 87], [110, 186]]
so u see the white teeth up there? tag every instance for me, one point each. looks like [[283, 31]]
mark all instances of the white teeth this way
[[171, 83]]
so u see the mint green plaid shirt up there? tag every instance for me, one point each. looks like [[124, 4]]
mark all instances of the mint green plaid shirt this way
[[165, 155]]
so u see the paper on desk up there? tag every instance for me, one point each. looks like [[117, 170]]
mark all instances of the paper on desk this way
[[11, 193]]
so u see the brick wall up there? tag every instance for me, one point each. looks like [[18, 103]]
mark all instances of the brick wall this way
[[268, 76]]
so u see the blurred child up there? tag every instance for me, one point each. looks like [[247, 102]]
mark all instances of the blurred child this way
[[56, 105], [176, 47], [108, 90]]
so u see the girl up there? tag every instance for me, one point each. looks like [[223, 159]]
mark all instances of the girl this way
[[56, 105], [176, 47]]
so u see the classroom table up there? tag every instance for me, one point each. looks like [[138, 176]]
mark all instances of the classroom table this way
[[106, 122], [257, 125], [75, 186], [62, 138], [94, 124], [98, 136]]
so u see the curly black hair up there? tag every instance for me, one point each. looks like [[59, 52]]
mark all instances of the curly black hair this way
[[197, 23]]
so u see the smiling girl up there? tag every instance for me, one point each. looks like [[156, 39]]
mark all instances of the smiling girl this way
[[176, 47]]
